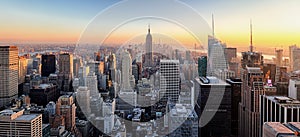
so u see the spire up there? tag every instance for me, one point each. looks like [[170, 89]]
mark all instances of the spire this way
[[251, 43], [149, 28], [213, 25]]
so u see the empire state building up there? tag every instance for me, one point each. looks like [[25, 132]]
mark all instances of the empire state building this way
[[148, 54]]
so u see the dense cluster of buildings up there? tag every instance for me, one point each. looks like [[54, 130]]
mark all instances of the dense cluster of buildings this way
[[125, 93]]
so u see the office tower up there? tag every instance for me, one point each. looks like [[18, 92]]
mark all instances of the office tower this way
[[279, 57], [65, 71], [48, 65], [43, 93], [279, 109], [22, 68], [148, 47], [231, 56], [126, 72], [220, 124], [294, 89], [183, 121], [77, 63], [249, 107], [294, 58], [216, 56], [9, 66], [236, 88], [169, 80], [139, 63], [83, 99], [14, 123], [65, 106], [202, 66]]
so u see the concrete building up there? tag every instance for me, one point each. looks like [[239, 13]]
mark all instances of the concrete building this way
[[279, 57], [169, 80], [231, 56], [22, 69], [83, 99], [9, 75], [14, 123]]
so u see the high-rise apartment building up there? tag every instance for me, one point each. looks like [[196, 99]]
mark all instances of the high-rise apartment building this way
[[169, 80], [279, 57], [9, 75], [126, 72]]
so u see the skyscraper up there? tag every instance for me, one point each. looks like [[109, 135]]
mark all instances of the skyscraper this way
[[252, 77], [148, 54], [249, 107], [9, 75], [65, 71], [126, 72], [220, 124], [169, 80], [48, 65]]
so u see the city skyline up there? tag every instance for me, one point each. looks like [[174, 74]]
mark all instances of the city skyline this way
[[274, 23]]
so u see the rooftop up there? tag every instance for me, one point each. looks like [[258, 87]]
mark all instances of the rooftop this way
[[278, 127], [27, 117], [212, 81]]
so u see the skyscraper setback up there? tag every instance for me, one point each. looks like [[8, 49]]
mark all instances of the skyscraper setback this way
[[9, 75], [65, 71]]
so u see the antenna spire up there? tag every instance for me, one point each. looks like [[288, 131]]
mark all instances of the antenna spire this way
[[251, 42], [213, 25], [149, 28]]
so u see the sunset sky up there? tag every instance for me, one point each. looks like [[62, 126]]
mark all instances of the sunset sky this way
[[276, 23]]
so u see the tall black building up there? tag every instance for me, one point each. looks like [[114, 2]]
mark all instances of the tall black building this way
[[213, 98], [236, 88], [48, 65]]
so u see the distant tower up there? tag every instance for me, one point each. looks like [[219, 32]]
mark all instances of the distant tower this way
[[48, 65], [126, 71], [149, 54], [213, 25], [65, 71], [9, 76]]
